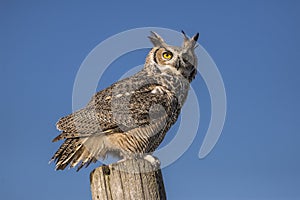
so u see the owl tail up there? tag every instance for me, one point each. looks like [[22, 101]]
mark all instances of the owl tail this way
[[79, 151]]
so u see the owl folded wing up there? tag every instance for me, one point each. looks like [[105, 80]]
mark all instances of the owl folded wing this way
[[109, 112]]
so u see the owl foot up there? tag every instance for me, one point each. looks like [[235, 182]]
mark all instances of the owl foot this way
[[153, 160]]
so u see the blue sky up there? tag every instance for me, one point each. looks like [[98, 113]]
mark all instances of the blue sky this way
[[255, 45]]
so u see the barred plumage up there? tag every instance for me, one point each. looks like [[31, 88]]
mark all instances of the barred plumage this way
[[132, 116]]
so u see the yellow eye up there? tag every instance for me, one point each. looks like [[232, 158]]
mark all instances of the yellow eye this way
[[167, 55]]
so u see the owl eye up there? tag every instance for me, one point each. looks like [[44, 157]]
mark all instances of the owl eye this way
[[167, 55]]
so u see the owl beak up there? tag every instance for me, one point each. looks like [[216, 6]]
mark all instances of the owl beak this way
[[185, 58], [186, 68], [179, 63], [183, 63]]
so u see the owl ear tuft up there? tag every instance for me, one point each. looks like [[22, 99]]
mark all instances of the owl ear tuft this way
[[195, 37], [189, 43], [156, 40], [185, 38]]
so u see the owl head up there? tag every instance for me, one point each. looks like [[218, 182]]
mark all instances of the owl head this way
[[173, 59]]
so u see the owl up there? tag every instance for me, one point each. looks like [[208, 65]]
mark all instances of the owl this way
[[131, 117]]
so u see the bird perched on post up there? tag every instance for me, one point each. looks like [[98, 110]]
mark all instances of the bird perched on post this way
[[132, 116]]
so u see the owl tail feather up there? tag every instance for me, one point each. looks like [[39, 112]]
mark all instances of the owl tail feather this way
[[79, 151]]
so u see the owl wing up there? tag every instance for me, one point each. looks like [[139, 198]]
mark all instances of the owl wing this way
[[119, 112], [112, 111]]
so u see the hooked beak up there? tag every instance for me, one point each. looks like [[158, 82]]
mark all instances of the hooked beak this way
[[183, 63]]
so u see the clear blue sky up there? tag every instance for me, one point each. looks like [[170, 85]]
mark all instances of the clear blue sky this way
[[255, 45]]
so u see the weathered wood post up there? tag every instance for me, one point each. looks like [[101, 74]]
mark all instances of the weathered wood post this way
[[127, 180]]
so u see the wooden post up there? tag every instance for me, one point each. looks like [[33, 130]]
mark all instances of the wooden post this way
[[127, 180]]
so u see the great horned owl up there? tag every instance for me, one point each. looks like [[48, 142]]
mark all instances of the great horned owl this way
[[132, 116]]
